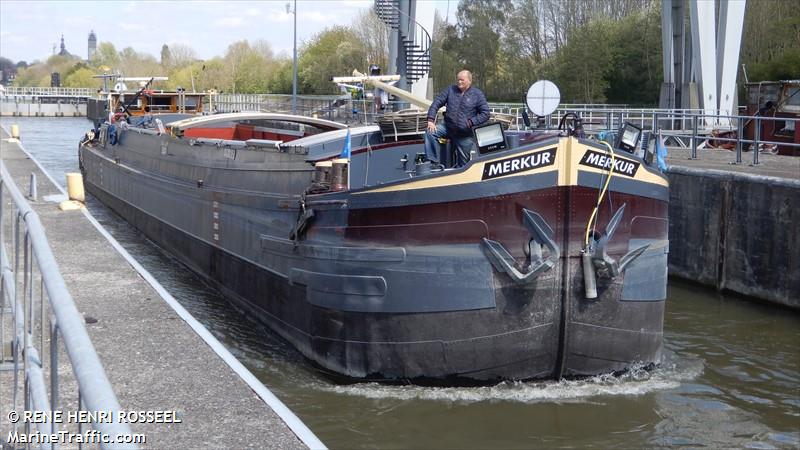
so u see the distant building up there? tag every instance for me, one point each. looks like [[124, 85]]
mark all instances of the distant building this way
[[92, 46], [63, 51]]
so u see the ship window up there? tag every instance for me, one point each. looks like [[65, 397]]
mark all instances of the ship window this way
[[791, 99], [784, 127], [160, 104]]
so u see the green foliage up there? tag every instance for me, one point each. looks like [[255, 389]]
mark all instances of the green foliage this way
[[184, 77], [586, 63], [211, 75], [784, 66], [251, 74], [43, 81], [61, 64], [522, 48], [637, 73], [81, 78], [248, 67], [135, 64], [477, 39], [73, 68], [772, 49], [594, 51], [331, 52], [444, 65], [106, 55], [33, 75], [281, 81]]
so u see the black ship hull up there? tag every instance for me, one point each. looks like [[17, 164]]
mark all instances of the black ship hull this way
[[383, 285]]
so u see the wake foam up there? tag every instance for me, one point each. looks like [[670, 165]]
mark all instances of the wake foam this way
[[636, 381]]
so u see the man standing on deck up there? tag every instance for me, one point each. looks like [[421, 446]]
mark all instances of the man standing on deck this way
[[466, 108]]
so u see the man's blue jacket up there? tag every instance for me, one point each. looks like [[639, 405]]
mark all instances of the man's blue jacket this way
[[464, 111]]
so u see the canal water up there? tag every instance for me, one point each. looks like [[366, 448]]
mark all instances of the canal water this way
[[730, 376]]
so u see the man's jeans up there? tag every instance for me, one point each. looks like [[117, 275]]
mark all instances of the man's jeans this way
[[463, 146]]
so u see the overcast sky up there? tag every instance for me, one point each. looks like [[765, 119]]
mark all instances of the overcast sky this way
[[29, 29]]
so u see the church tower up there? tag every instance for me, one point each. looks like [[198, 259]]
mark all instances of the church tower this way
[[92, 45], [63, 51]]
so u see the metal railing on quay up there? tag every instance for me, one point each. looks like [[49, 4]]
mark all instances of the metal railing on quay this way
[[45, 100], [686, 128], [728, 129], [49, 91], [36, 299]]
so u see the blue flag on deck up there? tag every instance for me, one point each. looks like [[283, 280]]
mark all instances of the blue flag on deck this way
[[346, 149], [661, 153]]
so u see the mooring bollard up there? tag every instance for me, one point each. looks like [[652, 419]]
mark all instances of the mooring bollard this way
[[75, 187], [14, 133], [75, 193], [32, 189]]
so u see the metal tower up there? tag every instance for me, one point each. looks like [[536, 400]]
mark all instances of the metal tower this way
[[701, 72], [92, 44]]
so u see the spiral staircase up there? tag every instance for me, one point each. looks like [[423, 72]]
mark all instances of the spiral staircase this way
[[414, 40]]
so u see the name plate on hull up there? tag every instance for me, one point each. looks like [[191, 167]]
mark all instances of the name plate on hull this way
[[519, 163], [603, 161]]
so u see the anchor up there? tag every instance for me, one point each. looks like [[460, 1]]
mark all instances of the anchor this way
[[606, 266], [304, 218], [541, 235]]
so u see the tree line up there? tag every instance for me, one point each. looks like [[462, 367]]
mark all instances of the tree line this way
[[596, 51]]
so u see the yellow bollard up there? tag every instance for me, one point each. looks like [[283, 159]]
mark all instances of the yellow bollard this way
[[75, 187], [14, 133]]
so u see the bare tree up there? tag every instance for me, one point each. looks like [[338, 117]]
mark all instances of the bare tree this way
[[373, 34], [524, 37], [135, 64], [264, 49], [181, 54]]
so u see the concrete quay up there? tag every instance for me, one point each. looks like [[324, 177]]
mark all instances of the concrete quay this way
[[29, 106], [154, 354], [736, 227]]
